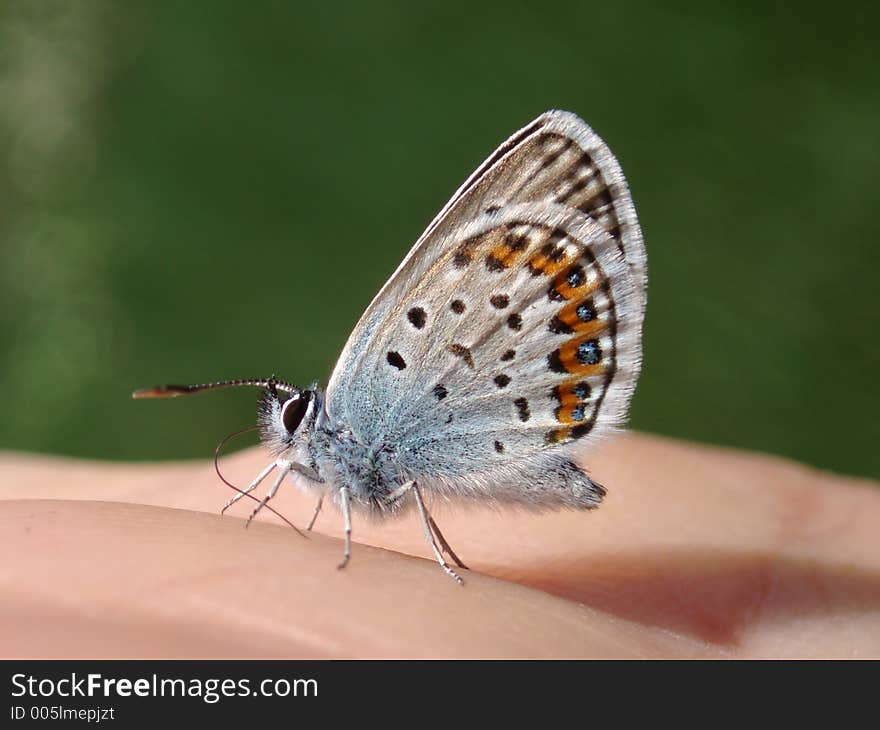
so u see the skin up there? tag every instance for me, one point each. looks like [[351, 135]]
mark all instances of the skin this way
[[696, 552]]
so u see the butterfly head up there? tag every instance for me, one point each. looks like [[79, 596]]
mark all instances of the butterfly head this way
[[286, 416]]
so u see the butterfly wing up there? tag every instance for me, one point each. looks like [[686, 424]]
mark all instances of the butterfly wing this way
[[555, 159], [513, 326]]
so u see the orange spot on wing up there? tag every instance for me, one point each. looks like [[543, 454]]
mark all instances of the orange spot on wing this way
[[569, 401], [551, 255], [567, 433], [506, 247], [553, 267], [568, 316], [568, 356], [507, 255], [565, 414], [566, 395], [550, 260], [567, 291]]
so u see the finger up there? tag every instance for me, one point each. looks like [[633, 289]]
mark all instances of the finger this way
[[660, 491], [713, 544], [101, 579]]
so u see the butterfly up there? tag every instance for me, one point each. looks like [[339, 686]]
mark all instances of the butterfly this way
[[508, 338]]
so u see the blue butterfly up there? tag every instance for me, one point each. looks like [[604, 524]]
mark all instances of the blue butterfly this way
[[509, 335]]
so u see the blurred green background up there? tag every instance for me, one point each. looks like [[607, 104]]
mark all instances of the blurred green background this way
[[203, 190]]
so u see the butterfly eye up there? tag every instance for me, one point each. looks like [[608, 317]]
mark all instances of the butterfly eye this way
[[292, 412]]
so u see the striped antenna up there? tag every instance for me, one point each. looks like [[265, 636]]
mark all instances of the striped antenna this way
[[173, 391]]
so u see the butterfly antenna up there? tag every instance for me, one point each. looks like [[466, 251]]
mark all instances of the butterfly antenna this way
[[229, 484], [173, 391]]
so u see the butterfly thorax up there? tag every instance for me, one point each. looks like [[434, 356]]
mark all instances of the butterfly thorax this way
[[331, 449], [367, 469]]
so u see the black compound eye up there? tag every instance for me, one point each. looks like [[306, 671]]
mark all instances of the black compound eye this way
[[292, 412]]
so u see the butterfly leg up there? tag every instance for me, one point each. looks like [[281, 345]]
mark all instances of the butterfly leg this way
[[426, 522], [315, 513], [403, 489], [285, 470], [346, 516], [392, 497], [250, 487], [445, 545]]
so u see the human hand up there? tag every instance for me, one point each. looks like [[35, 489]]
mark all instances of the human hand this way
[[696, 552]]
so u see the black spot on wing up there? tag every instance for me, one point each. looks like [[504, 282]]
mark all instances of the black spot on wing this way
[[462, 258], [463, 352], [495, 264], [557, 326], [396, 360], [517, 241], [554, 361], [522, 409], [553, 248], [581, 430], [417, 317]]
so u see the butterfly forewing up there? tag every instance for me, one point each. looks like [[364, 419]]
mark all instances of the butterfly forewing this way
[[513, 326], [557, 158]]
